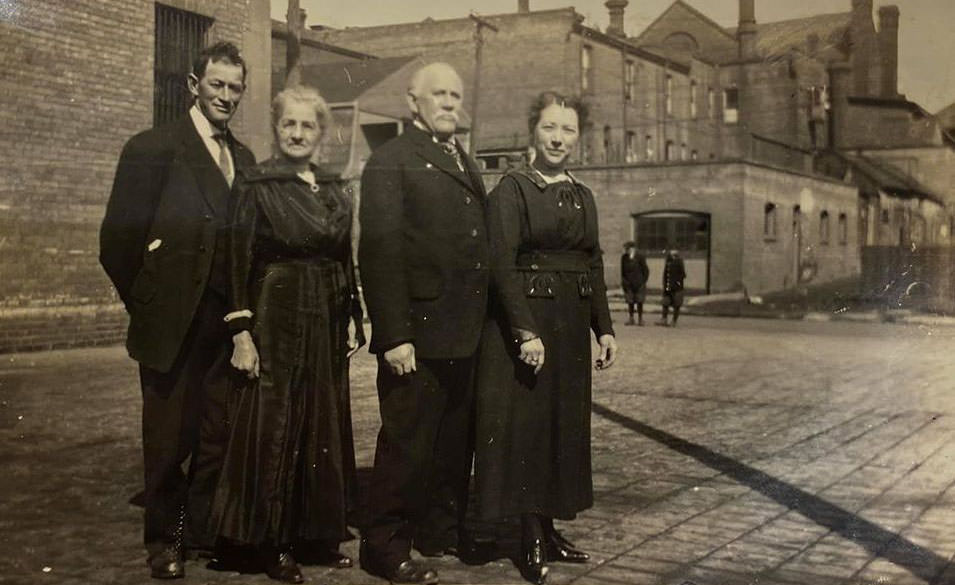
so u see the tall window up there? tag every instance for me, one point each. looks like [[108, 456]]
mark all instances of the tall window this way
[[586, 68], [693, 100], [694, 155], [769, 221], [668, 153], [607, 146], [824, 227], [668, 95], [180, 35], [731, 105], [631, 147], [629, 88], [843, 229], [710, 102], [683, 151], [648, 143]]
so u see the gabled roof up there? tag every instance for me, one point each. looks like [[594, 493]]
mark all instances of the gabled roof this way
[[777, 38], [715, 44], [345, 81], [669, 12], [889, 178]]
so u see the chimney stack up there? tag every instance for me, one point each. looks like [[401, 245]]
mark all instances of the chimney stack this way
[[861, 33], [615, 7], [889, 49], [746, 33], [840, 83], [523, 6]]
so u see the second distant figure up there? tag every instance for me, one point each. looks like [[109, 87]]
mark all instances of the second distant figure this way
[[633, 278]]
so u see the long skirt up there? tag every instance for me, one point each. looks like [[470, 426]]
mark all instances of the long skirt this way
[[532, 433], [289, 473]]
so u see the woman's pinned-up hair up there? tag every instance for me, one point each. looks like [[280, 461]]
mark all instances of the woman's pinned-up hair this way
[[548, 98], [306, 95]]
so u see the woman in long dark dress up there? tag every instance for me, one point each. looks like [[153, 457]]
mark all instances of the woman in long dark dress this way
[[532, 449], [290, 465]]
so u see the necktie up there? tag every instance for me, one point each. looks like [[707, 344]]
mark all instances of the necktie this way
[[452, 150], [225, 163]]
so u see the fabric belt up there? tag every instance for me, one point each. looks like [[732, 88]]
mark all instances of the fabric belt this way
[[554, 261]]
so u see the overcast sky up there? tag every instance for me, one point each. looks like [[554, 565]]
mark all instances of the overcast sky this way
[[926, 44]]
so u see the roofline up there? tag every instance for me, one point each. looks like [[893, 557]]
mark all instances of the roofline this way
[[626, 45], [567, 9], [918, 193], [882, 102], [696, 12], [279, 31]]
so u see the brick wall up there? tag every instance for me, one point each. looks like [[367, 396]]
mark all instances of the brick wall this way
[[77, 82]]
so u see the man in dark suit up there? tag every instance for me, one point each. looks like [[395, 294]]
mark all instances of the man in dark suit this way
[[162, 243], [674, 272], [423, 257], [634, 273]]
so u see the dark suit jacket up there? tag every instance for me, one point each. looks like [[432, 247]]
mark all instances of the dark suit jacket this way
[[159, 235], [633, 272], [423, 249]]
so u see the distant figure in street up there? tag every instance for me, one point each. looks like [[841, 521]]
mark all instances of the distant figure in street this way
[[423, 257], [296, 318], [633, 277], [673, 275], [532, 443], [163, 244]]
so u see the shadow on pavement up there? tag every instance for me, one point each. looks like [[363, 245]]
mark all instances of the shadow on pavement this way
[[919, 561]]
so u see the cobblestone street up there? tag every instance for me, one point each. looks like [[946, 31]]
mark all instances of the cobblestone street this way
[[726, 451]]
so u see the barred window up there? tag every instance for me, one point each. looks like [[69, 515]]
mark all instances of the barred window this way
[[180, 35]]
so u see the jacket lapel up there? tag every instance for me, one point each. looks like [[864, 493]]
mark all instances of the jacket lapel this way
[[212, 185], [431, 152]]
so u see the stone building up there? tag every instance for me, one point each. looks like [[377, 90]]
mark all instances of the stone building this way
[[79, 78]]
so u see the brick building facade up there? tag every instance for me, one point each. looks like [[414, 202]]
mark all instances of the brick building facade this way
[[79, 79]]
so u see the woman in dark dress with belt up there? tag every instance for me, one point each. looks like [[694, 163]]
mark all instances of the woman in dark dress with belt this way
[[289, 470], [532, 449]]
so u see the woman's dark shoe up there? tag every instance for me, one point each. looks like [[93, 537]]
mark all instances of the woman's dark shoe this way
[[533, 560], [282, 567], [561, 550]]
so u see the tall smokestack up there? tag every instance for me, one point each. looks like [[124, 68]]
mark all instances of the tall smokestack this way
[[615, 7], [863, 49], [746, 33], [523, 6], [840, 84], [889, 49]]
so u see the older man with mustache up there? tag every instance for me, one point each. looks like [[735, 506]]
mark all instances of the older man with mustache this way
[[423, 257]]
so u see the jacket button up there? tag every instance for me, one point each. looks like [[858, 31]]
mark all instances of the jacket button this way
[[467, 200], [474, 233]]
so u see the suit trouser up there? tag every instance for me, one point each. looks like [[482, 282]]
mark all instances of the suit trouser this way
[[423, 459], [185, 416]]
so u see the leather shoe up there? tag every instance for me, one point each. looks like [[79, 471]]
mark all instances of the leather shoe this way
[[167, 564], [282, 567], [412, 571], [562, 550], [326, 557], [533, 560]]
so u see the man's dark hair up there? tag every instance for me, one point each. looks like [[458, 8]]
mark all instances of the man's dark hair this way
[[221, 51]]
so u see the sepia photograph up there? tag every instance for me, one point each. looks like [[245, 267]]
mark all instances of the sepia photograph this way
[[610, 292]]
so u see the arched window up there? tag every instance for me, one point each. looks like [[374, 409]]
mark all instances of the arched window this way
[[649, 147], [824, 227], [843, 229], [668, 95], [693, 99], [668, 153], [731, 105], [769, 221]]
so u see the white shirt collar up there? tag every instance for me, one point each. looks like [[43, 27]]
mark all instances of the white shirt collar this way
[[421, 126], [202, 124]]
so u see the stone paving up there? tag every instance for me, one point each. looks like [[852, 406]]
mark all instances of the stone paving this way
[[726, 452]]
